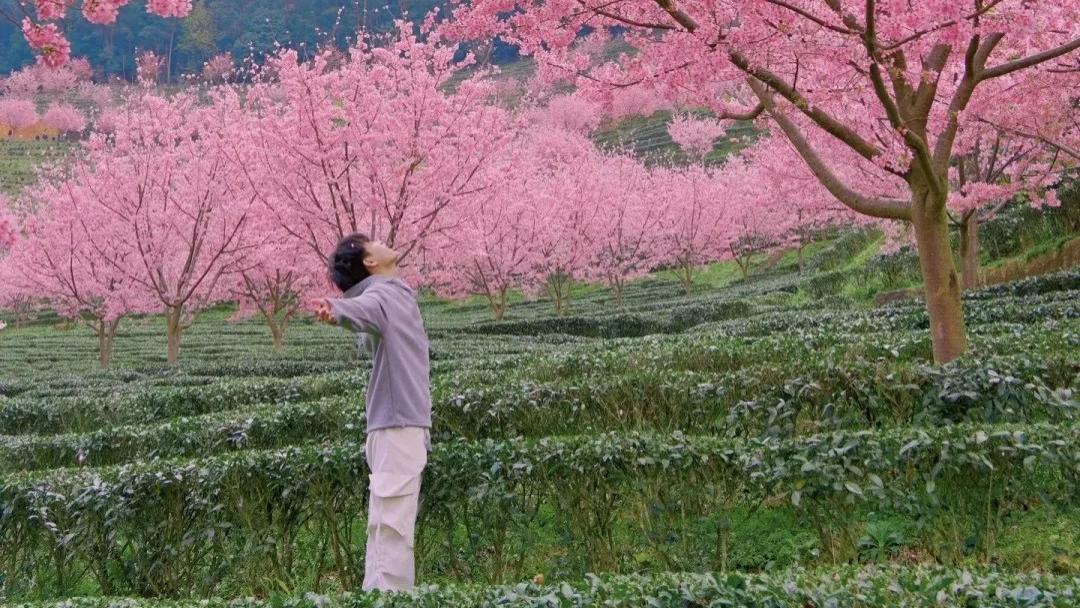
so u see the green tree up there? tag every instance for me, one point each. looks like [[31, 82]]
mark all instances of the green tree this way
[[198, 38]]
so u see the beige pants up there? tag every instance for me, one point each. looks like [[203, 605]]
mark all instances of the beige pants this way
[[396, 457]]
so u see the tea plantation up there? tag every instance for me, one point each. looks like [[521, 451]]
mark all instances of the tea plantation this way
[[747, 445]]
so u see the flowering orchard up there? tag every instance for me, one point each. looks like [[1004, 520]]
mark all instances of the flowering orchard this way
[[238, 195], [917, 76], [375, 146]]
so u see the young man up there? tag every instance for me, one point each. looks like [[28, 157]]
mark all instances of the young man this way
[[382, 309]]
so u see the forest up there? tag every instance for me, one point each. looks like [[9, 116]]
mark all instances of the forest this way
[[243, 28]]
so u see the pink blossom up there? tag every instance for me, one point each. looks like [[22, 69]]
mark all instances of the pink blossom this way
[[8, 226], [169, 8], [813, 72], [102, 12], [107, 121], [399, 125], [17, 113], [39, 78], [65, 118], [52, 10], [218, 68], [694, 135], [196, 210], [573, 113], [80, 67], [149, 67], [98, 95], [53, 48], [634, 101]]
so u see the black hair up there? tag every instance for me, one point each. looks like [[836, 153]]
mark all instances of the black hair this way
[[346, 265]]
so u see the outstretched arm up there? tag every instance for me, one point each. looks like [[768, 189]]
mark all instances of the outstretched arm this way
[[363, 313]]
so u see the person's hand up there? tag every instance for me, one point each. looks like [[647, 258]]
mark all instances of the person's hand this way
[[321, 308]]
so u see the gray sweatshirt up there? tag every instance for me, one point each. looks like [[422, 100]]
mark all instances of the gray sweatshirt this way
[[384, 311]]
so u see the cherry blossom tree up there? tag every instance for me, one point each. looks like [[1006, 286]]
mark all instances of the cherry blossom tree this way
[[565, 161], [55, 262], [793, 195], [34, 79], [161, 203], [991, 172], [495, 252], [274, 277], [625, 244], [9, 226], [564, 212], [40, 19], [696, 136], [912, 74], [12, 298], [695, 229], [1011, 149], [378, 145], [97, 95], [276, 271], [17, 113], [218, 69], [64, 118], [572, 113], [148, 68]]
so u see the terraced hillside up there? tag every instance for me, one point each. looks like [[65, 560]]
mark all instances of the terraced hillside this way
[[741, 446], [19, 161]]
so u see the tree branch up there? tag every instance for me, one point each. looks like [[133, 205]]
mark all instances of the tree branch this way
[[822, 119], [927, 91], [920, 33], [880, 207], [1029, 61], [626, 20], [680, 16], [1063, 148], [974, 60], [916, 143], [808, 15]]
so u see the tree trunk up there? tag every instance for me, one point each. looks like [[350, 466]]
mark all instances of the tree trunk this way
[[103, 349], [558, 288], [799, 251], [941, 284], [560, 306], [744, 266], [168, 55], [497, 301], [174, 328], [106, 331], [685, 274], [969, 250], [277, 334], [618, 286]]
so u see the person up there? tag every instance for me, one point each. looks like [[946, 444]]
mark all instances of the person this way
[[382, 309]]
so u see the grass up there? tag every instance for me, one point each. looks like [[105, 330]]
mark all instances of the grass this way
[[1046, 246], [20, 160], [1044, 538]]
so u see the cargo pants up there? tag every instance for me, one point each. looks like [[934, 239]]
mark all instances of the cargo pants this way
[[397, 457]]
